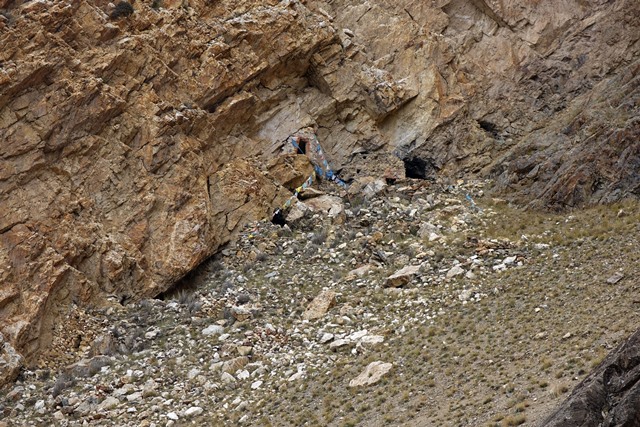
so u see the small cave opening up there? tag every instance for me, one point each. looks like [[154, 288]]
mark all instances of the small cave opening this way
[[278, 218], [419, 168], [488, 127], [300, 144]]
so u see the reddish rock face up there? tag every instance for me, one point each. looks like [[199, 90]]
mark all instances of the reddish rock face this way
[[132, 148], [121, 168]]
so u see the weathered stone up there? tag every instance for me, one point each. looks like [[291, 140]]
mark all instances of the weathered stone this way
[[371, 374], [340, 344], [10, 362], [193, 411], [609, 396], [358, 272], [326, 337], [328, 205], [104, 344], [615, 278], [241, 313], [402, 276], [231, 366], [227, 378], [366, 186], [291, 170], [212, 330], [320, 305], [371, 340], [245, 350], [310, 193], [297, 211], [454, 271]]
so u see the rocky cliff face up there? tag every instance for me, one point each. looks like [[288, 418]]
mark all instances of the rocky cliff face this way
[[609, 396], [135, 147]]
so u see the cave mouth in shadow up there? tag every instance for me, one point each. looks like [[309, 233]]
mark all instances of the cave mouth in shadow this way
[[184, 289], [419, 168]]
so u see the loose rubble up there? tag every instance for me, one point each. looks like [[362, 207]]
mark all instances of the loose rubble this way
[[337, 300]]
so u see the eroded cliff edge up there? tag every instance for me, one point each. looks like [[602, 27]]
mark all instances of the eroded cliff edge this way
[[133, 148]]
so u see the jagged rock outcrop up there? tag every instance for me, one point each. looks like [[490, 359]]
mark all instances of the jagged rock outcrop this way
[[135, 147], [609, 396], [121, 169]]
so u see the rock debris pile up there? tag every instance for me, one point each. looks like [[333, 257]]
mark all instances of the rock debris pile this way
[[328, 300]]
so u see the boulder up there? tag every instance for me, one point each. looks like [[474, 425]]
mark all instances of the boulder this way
[[371, 374], [290, 170], [609, 396], [328, 205], [320, 305], [402, 276], [233, 365]]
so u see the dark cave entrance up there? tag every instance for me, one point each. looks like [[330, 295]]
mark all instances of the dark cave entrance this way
[[279, 218], [419, 168], [489, 127]]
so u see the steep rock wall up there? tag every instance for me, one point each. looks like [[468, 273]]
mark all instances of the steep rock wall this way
[[133, 147]]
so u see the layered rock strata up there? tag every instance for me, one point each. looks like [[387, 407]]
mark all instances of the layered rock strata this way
[[135, 147]]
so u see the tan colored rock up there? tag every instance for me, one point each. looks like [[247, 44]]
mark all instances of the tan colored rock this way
[[358, 272], [371, 374], [310, 193], [231, 366], [402, 276], [366, 186], [241, 313], [328, 205], [320, 305], [245, 350], [297, 211], [291, 170]]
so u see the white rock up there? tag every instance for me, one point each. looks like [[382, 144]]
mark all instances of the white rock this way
[[509, 260], [134, 396], [372, 374], [371, 340], [243, 374], [256, 385], [296, 376], [227, 378], [357, 335], [326, 337], [108, 404], [456, 270], [337, 344], [193, 411], [465, 295], [212, 330], [172, 416]]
